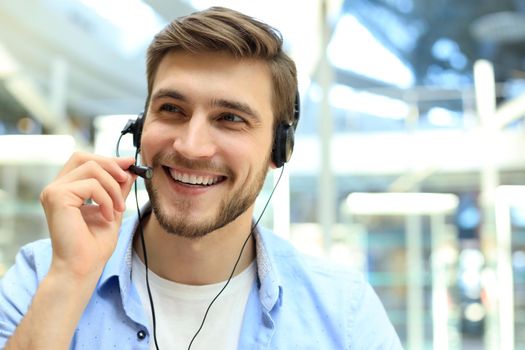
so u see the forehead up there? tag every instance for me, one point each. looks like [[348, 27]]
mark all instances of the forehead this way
[[216, 75]]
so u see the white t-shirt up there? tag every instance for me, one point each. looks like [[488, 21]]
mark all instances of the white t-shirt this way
[[180, 308]]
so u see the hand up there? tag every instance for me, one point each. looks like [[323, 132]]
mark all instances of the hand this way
[[85, 235]]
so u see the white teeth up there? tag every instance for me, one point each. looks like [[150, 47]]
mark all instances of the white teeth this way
[[193, 179]]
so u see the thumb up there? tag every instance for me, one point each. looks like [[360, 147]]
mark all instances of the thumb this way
[[126, 186]]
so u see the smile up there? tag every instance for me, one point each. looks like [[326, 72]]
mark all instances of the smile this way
[[194, 180]]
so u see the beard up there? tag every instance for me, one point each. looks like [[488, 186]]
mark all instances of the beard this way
[[229, 208]]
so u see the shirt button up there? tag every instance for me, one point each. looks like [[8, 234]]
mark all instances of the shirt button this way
[[141, 334]]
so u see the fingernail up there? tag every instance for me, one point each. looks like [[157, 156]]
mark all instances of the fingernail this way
[[124, 176]]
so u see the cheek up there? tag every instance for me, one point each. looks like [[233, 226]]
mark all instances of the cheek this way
[[258, 155], [153, 140]]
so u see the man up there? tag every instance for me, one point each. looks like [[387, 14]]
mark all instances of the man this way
[[192, 272]]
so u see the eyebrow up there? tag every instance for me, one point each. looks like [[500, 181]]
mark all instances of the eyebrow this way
[[168, 93], [229, 104], [237, 106]]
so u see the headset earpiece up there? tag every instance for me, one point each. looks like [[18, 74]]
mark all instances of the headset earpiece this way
[[134, 127], [282, 144], [284, 137]]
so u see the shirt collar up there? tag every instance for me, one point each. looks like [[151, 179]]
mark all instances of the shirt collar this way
[[119, 264], [270, 288]]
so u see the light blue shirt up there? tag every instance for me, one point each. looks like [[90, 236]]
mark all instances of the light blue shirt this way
[[297, 302]]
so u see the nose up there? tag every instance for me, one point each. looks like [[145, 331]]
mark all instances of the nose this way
[[195, 141]]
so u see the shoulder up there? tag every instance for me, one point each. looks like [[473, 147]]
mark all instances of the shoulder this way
[[312, 276], [35, 257], [331, 297], [292, 263], [331, 303], [19, 284], [31, 266]]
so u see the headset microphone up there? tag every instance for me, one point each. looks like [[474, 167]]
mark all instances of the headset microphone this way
[[144, 172]]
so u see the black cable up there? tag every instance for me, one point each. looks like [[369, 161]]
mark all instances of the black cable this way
[[144, 250], [229, 278], [141, 233], [238, 259], [142, 240], [118, 145]]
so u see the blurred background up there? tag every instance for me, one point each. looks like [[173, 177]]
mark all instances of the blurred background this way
[[408, 162]]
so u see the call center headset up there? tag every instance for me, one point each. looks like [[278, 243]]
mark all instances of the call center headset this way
[[282, 148], [283, 140]]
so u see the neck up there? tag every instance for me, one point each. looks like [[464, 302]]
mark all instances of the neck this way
[[205, 260]]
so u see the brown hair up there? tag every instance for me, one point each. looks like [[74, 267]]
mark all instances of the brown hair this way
[[222, 29]]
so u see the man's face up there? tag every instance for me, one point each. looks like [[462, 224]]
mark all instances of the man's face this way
[[207, 134]]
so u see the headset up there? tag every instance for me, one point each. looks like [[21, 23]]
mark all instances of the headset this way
[[282, 148]]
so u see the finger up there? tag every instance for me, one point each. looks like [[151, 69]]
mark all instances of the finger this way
[[99, 196], [93, 170], [114, 166], [77, 158], [125, 187], [124, 164], [74, 194]]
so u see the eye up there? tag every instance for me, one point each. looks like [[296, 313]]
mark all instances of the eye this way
[[230, 117], [168, 107]]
